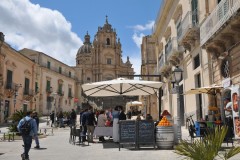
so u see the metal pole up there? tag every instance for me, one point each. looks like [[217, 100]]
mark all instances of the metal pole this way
[[159, 100], [179, 132]]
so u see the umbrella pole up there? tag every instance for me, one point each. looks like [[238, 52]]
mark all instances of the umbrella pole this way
[[145, 106]]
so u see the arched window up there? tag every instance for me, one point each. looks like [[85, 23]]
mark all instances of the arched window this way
[[108, 41]]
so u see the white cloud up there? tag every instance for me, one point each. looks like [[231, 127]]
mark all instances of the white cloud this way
[[139, 32], [145, 27], [27, 25], [137, 38]]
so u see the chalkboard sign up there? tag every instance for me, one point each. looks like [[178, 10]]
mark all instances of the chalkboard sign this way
[[145, 132], [127, 131]]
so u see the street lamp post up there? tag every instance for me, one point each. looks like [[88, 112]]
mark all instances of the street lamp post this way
[[177, 76]]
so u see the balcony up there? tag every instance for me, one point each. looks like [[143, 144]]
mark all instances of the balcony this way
[[10, 89], [60, 93], [224, 13], [173, 52], [70, 95], [188, 30], [28, 94]]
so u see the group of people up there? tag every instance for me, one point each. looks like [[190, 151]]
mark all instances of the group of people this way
[[89, 119], [70, 119]]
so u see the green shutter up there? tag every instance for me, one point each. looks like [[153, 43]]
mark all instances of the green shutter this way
[[26, 86], [48, 85], [9, 79]]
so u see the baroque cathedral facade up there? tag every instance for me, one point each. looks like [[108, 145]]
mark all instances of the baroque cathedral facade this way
[[101, 60]]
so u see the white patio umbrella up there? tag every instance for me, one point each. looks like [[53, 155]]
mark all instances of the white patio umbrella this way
[[213, 90], [210, 90], [121, 86]]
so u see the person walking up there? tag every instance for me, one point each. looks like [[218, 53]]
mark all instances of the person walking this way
[[28, 128], [73, 117], [35, 116], [52, 117]]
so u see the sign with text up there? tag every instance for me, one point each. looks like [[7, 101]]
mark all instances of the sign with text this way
[[127, 131], [146, 132]]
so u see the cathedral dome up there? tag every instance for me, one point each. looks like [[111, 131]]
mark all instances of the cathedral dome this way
[[86, 47]]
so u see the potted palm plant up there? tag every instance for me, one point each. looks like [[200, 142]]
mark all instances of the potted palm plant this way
[[209, 148]]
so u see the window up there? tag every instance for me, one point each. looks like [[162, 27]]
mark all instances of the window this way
[[26, 86], [179, 29], [196, 61], [70, 92], [78, 62], [48, 65], [48, 87], [36, 87], [70, 74], [88, 79], [60, 70], [60, 89], [194, 12], [109, 61], [9, 79], [107, 41]]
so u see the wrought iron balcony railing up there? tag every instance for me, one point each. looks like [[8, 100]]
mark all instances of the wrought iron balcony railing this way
[[219, 16], [170, 47], [189, 21]]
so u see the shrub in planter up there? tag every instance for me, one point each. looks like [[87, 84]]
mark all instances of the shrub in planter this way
[[16, 117]]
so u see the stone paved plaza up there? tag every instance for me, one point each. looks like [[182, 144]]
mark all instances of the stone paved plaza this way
[[57, 147]]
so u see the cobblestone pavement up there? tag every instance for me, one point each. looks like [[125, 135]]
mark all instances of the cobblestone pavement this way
[[57, 147]]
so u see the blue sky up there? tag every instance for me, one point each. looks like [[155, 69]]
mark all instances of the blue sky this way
[[57, 27]]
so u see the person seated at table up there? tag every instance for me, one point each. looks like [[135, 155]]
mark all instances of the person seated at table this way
[[138, 117], [101, 122], [149, 117]]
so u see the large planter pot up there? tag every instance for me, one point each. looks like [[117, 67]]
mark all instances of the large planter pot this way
[[164, 137]]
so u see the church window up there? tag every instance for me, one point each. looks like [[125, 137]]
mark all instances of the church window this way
[[109, 61], [108, 41]]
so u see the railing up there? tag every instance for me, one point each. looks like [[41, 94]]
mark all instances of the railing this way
[[70, 95], [27, 91], [12, 86], [60, 93], [161, 62], [219, 16], [189, 21], [171, 46]]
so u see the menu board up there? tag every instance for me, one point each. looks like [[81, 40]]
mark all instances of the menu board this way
[[127, 131], [146, 132]]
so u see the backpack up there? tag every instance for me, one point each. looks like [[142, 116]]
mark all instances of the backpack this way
[[26, 127]]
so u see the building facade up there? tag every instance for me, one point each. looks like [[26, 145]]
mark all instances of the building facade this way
[[148, 68], [101, 60], [17, 84], [202, 38], [55, 81]]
